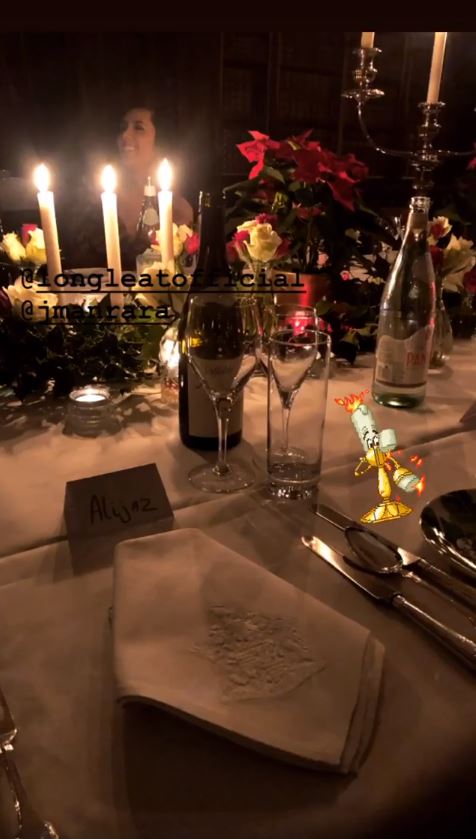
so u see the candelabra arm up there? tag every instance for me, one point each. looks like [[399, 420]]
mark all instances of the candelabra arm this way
[[371, 141], [445, 154]]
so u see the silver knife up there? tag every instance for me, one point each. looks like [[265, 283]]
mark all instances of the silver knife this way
[[385, 591], [418, 565]]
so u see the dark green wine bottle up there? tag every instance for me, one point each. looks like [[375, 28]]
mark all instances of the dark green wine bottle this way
[[197, 418]]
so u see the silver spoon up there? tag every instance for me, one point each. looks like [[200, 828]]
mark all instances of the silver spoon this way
[[378, 557]]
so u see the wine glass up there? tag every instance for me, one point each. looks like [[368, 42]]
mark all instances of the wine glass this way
[[290, 321], [287, 318], [223, 344], [292, 350]]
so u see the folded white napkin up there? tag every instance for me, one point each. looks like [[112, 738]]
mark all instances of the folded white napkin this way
[[209, 635]]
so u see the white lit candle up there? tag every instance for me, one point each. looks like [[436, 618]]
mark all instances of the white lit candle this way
[[367, 39], [166, 235], [89, 410], [46, 203], [434, 83], [111, 229]]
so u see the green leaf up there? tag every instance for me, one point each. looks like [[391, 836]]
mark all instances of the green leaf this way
[[247, 185], [271, 172]]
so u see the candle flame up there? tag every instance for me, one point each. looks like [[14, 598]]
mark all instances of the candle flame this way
[[420, 486], [352, 402], [108, 179], [164, 175], [41, 178]]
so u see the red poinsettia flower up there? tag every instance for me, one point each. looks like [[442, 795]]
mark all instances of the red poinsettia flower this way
[[25, 231], [354, 168], [284, 247], [192, 244], [437, 257], [343, 189], [313, 164], [469, 281], [254, 150]]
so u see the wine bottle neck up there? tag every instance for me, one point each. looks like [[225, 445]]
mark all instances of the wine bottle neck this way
[[212, 260]]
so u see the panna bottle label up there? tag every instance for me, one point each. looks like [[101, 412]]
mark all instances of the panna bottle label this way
[[202, 421], [404, 362], [150, 216]]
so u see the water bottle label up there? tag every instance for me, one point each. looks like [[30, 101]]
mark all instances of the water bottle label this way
[[202, 421], [404, 362], [150, 217]]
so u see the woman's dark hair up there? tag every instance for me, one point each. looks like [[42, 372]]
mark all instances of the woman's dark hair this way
[[146, 105]]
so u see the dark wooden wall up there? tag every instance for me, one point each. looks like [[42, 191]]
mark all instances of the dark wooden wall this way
[[62, 96]]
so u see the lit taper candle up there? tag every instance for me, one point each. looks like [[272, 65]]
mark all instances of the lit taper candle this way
[[111, 229], [367, 39], [436, 71], [46, 203], [166, 234]]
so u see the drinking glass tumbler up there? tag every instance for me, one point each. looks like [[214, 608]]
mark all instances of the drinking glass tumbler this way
[[298, 374]]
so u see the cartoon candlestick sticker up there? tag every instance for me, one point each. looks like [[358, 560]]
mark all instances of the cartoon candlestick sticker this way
[[378, 448]]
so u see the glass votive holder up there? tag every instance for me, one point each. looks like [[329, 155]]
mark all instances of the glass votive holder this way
[[89, 410], [169, 355]]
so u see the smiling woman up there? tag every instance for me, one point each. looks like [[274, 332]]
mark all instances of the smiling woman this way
[[139, 154], [139, 150]]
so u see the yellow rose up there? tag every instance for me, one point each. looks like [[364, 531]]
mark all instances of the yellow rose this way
[[13, 247], [264, 242], [35, 249], [26, 302]]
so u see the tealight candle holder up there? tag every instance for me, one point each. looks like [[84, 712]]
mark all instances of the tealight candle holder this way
[[169, 356], [89, 410]]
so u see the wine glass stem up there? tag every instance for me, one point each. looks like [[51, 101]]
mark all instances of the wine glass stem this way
[[223, 411], [286, 415]]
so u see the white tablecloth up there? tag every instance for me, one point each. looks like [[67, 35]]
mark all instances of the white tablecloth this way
[[97, 771], [37, 458]]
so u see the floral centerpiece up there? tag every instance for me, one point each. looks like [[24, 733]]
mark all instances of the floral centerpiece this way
[[453, 261], [308, 197], [41, 352], [162, 347]]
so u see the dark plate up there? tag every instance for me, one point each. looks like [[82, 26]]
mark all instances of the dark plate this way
[[449, 523]]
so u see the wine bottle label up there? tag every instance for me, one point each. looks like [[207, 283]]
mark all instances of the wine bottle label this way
[[150, 217], [404, 362], [202, 421]]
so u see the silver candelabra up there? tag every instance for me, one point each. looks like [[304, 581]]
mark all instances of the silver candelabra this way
[[423, 159]]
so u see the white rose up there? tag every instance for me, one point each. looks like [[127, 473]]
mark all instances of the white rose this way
[[458, 256], [264, 242], [183, 232], [35, 296], [35, 250], [13, 247]]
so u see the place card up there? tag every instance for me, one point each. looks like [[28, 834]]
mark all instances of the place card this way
[[117, 502]]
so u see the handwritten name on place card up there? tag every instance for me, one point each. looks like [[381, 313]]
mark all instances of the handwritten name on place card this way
[[115, 501]]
